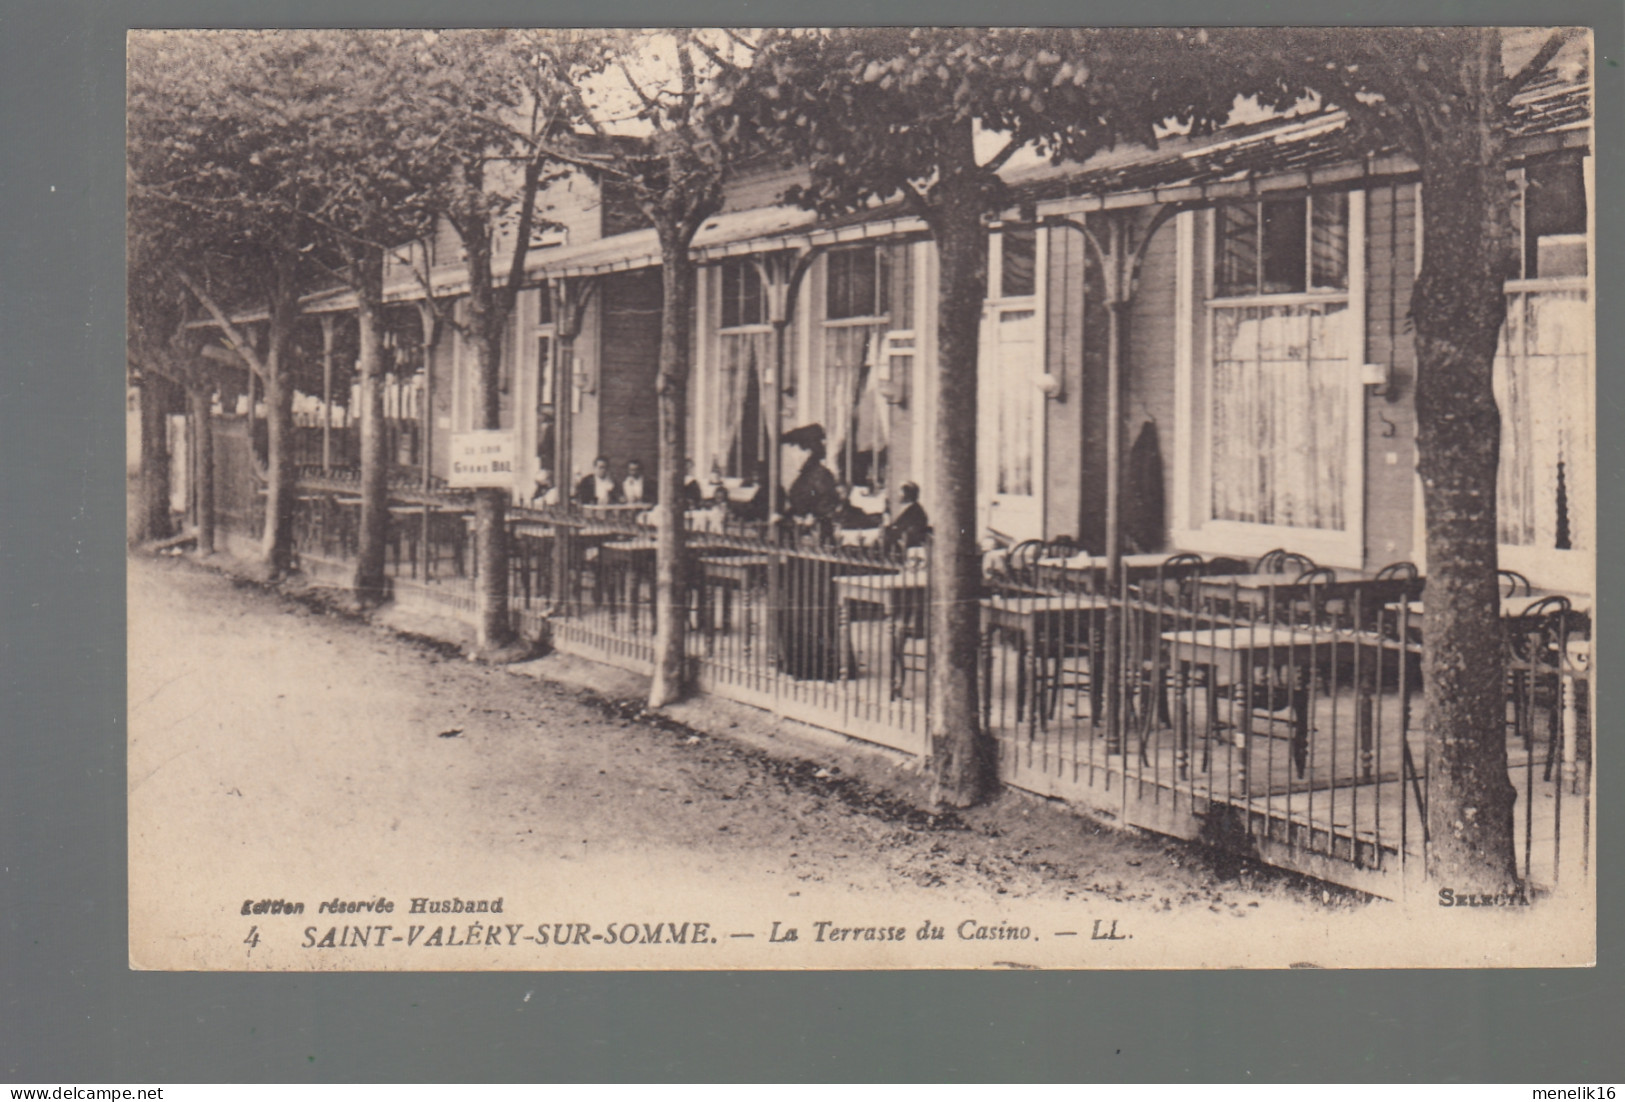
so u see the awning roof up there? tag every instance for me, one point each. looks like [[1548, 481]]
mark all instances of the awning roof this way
[[1309, 150], [641, 248]]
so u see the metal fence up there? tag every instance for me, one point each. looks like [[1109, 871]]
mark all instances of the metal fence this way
[[1279, 714]]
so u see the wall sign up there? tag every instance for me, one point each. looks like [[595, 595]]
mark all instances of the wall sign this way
[[482, 458]]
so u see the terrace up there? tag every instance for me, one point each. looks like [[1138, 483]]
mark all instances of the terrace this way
[[1273, 708]]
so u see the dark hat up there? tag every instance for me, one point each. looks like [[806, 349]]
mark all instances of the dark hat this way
[[809, 437]]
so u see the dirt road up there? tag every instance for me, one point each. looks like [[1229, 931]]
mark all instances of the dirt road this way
[[283, 752]]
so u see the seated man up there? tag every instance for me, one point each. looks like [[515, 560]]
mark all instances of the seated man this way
[[635, 488], [599, 487], [911, 526]]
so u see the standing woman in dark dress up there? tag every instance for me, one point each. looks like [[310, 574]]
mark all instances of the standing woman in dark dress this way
[[809, 649]]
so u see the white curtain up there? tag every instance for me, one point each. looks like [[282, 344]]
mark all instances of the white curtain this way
[[741, 353], [1542, 385], [1280, 415], [848, 373], [1013, 395]]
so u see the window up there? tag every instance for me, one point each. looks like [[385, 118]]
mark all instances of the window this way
[[1281, 402], [1015, 427], [869, 293], [1018, 264], [1280, 415], [744, 355], [743, 358], [1548, 448], [1544, 368], [859, 283], [1282, 246], [1549, 214], [545, 418], [742, 300], [544, 303]]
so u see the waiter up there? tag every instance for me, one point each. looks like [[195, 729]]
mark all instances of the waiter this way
[[636, 489], [599, 487]]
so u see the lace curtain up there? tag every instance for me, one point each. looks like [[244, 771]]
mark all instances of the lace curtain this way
[[1546, 488], [743, 355], [851, 423], [1280, 409]]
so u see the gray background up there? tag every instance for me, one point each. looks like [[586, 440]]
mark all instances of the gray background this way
[[70, 1011]]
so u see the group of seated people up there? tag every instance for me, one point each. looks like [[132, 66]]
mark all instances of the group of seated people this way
[[600, 486], [814, 498]]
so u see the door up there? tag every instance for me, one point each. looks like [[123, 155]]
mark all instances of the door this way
[[1011, 424]]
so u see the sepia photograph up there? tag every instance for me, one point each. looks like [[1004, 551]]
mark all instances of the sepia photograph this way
[[860, 498]]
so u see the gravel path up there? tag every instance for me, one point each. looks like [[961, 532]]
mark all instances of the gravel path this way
[[282, 750]]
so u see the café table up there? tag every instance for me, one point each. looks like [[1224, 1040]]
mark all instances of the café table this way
[[626, 564], [1573, 662], [617, 512], [348, 507], [423, 521], [1513, 606], [312, 526], [1043, 629], [900, 595], [1229, 655], [724, 571], [1089, 571], [1255, 592]]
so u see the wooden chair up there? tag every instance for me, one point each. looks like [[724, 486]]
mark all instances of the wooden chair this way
[[1062, 547], [1282, 696], [1024, 559], [1513, 584], [1405, 571], [1156, 605], [1536, 642], [1282, 561]]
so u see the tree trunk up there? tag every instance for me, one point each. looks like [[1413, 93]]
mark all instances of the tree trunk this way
[[1458, 305], [671, 392], [495, 626], [371, 585], [152, 521], [277, 542], [202, 401], [963, 757]]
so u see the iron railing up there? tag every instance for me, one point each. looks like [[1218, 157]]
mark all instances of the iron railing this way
[[1281, 714]]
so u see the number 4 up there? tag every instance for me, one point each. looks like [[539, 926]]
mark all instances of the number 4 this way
[[253, 938]]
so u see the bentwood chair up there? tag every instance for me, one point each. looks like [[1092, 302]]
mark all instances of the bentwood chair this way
[[1282, 561], [1512, 583], [1537, 640]]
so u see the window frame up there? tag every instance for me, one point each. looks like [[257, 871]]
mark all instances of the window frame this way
[[1310, 290], [747, 269], [881, 272], [1027, 512], [1572, 569], [1565, 568], [1193, 525]]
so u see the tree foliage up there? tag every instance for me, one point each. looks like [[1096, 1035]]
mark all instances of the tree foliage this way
[[876, 113]]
